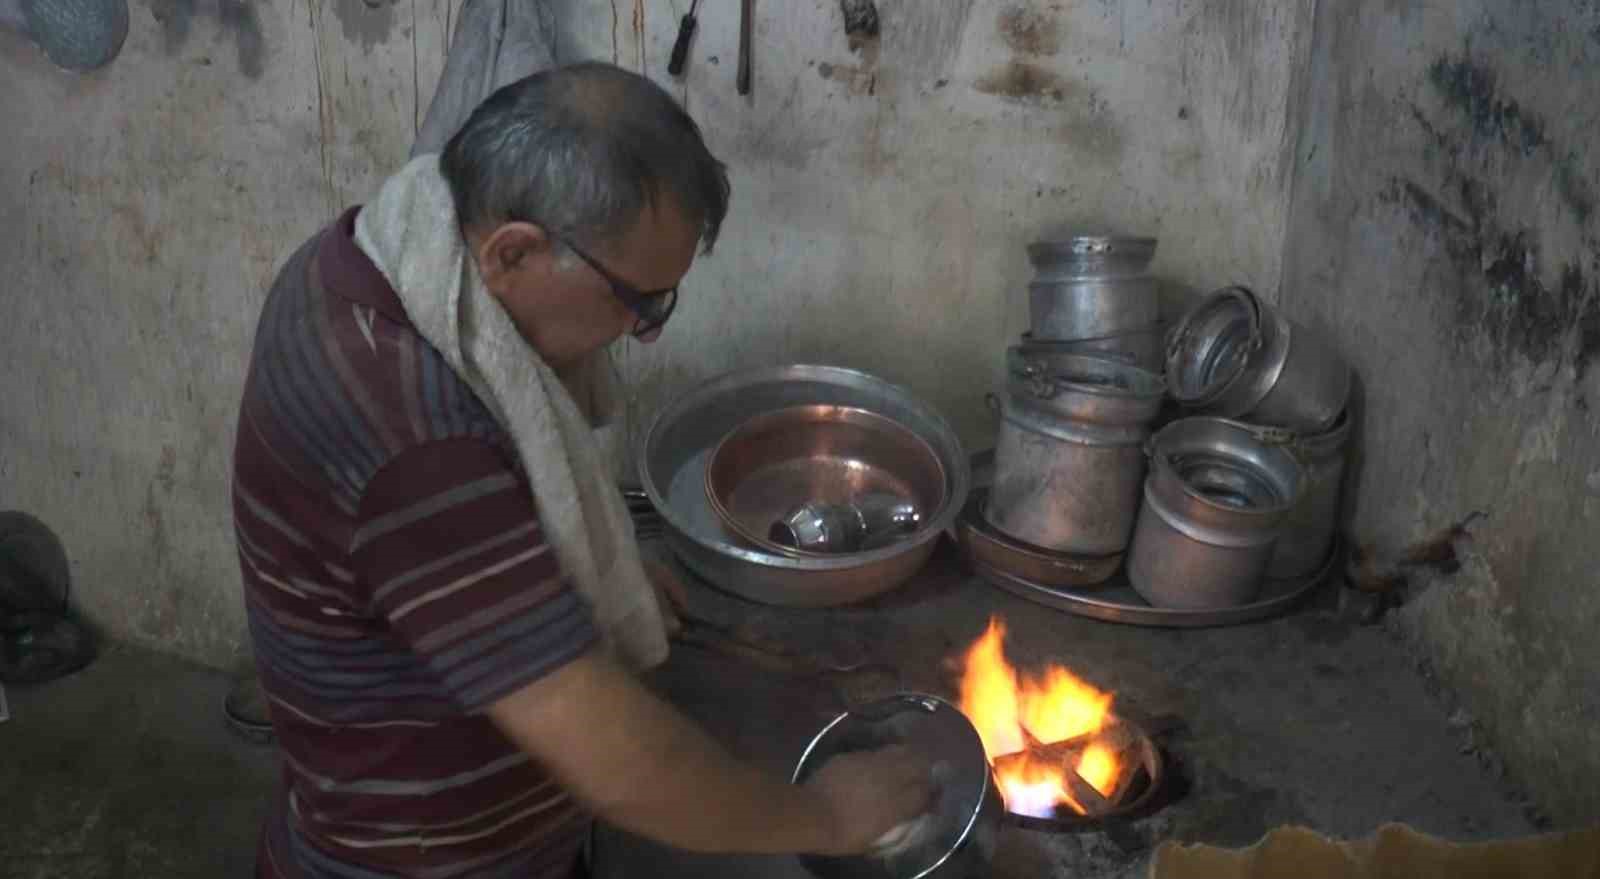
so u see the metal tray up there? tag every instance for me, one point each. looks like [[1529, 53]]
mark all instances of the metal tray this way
[[992, 547], [1116, 602]]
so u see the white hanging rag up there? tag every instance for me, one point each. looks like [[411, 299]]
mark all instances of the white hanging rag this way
[[411, 233]]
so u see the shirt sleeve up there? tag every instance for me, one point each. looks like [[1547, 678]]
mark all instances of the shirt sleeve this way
[[450, 542]]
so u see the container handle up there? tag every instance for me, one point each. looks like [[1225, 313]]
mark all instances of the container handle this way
[[1257, 337], [1177, 335], [1274, 436]]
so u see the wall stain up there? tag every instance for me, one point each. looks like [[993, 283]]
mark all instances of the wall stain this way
[[166, 469], [1021, 81], [1473, 92], [238, 18], [924, 39], [148, 241], [856, 80], [368, 22], [1501, 292], [780, 136], [1029, 31], [1524, 301]]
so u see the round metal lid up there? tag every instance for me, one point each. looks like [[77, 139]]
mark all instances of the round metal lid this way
[[1073, 247], [936, 729]]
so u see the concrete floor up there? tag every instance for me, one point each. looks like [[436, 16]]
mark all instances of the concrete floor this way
[[127, 769]]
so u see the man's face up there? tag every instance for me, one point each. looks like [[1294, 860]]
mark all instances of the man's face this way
[[566, 308]]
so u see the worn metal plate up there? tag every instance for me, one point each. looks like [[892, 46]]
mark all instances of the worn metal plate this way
[[990, 546], [1116, 602]]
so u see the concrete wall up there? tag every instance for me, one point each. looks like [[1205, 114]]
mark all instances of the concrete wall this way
[[143, 212], [883, 198], [1444, 230]]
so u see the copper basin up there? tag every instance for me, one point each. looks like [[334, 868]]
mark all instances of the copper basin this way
[[775, 462]]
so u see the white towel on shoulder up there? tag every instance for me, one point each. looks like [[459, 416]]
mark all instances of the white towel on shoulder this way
[[411, 233]]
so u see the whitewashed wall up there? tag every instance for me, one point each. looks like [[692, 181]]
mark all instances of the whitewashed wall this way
[[882, 200]]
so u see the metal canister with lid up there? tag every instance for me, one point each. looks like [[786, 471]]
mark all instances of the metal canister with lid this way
[[1092, 287]]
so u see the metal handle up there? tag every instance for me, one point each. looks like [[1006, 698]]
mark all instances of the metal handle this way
[[746, 13], [1272, 436], [680, 49], [1257, 337]]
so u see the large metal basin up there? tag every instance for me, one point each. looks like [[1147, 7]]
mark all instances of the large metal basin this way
[[672, 462]]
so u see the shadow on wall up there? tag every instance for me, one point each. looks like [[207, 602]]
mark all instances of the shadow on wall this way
[[1355, 453]]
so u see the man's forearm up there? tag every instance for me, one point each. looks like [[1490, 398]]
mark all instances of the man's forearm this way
[[640, 764]]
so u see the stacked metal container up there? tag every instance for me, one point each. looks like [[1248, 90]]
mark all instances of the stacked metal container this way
[[1205, 510], [1093, 295], [1082, 391], [1248, 489]]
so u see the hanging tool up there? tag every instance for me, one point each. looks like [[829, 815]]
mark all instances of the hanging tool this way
[[680, 49], [746, 23]]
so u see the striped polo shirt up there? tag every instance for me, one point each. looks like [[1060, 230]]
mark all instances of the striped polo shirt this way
[[396, 582]]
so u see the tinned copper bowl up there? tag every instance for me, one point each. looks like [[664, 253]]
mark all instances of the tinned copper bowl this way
[[774, 463]]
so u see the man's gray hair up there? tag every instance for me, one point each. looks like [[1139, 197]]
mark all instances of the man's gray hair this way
[[582, 150]]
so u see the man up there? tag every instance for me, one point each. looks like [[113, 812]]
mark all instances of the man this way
[[445, 703]]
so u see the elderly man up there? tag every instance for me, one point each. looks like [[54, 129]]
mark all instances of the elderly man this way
[[445, 600]]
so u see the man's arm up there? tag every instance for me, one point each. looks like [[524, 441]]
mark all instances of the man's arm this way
[[640, 764], [467, 582]]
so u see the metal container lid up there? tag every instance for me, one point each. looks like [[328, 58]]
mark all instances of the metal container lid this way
[[1235, 481], [939, 731], [1135, 252]]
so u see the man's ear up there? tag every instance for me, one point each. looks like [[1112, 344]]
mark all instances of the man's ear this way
[[511, 250]]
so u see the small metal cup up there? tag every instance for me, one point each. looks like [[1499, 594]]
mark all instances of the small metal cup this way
[[874, 520], [815, 527]]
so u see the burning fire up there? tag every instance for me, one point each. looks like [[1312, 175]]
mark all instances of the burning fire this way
[[1016, 713]]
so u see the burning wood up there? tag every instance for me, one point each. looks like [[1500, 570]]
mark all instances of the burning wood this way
[[1051, 739]]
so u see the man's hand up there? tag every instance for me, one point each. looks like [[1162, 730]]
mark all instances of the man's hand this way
[[870, 793], [670, 593], [642, 766]]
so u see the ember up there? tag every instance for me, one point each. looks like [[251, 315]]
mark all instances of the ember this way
[[1051, 739]]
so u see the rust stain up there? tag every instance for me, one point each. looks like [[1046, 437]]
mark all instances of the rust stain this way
[[147, 241], [1029, 31], [638, 31], [1021, 81], [166, 469], [856, 80]]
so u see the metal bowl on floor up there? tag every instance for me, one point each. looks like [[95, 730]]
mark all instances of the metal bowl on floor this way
[[785, 461], [672, 468]]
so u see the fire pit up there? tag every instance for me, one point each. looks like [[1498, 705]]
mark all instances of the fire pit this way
[[1061, 757]]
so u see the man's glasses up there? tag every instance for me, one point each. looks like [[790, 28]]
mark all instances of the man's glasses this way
[[650, 308]]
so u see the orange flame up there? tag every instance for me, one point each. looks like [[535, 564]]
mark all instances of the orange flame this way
[[1008, 709]]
